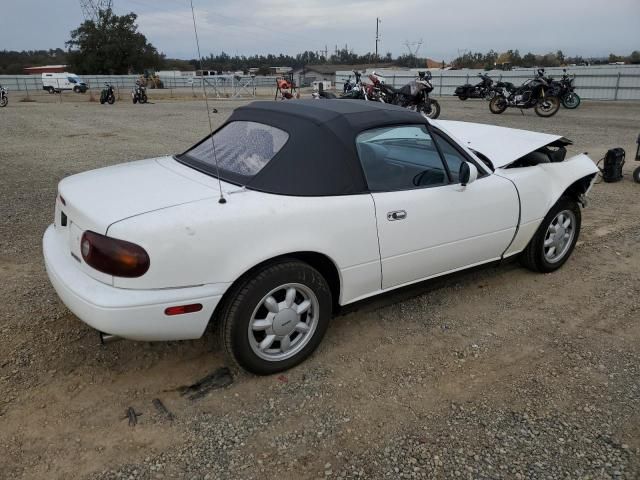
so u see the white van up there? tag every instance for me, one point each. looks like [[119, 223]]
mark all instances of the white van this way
[[58, 82]]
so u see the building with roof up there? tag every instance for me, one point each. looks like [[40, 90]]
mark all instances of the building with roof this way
[[45, 69]]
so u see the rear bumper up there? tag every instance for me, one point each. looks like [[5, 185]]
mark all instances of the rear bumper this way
[[132, 314]]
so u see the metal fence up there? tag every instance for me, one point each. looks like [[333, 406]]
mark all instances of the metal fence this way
[[620, 82], [607, 82], [219, 86]]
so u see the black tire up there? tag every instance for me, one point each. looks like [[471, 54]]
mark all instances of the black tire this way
[[135, 99], [498, 104], [636, 175], [429, 108], [111, 99], [548, 107], [462, 97], [76, 89], [571, 100], [4, 101], [533, 257], [102, 101], [246, 299], [144, 98], [51, 90]]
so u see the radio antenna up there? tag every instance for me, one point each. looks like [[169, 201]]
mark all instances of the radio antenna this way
[[206, 101]]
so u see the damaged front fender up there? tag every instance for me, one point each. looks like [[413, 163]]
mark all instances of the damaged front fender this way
[[540, 187]]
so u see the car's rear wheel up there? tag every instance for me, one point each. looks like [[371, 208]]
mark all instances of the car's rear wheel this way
[[555, 238], [276, 317]]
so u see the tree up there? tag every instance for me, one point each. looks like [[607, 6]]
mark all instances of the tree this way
[[613, 58], [111, 45], [635, 57], [529, 60]]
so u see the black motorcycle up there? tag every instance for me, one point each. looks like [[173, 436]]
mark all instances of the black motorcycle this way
[[351, 91], [534, 93], [4, 98], [413, 96], [484, 89], [564, 89], [107, 95], [348, 85], [139, 94]]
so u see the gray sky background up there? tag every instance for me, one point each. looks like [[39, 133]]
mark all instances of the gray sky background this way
[[245, 27]]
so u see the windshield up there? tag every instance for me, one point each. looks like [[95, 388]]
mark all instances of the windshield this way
[[242, 149]]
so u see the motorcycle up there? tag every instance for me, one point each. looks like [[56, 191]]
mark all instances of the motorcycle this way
[[107, 95], [348, 85], [534, 93], [4, 97], [564, 89], [139, 94], [413, 96], [484, 89], [351, 91]]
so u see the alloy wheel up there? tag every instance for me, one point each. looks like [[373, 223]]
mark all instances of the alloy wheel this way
[[283, 322], [559, 236]]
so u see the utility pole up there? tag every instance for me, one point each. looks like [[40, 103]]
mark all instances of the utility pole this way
[[377, 36]]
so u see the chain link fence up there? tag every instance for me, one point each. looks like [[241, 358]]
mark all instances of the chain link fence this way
[[619, 82], [30, 87]]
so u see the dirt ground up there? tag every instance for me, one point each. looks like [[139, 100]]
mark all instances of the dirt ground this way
[[493, 373]]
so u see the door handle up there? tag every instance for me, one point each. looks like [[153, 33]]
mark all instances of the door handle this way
[[396, 215]]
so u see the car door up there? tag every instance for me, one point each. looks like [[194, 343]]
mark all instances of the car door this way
[[428, 223]]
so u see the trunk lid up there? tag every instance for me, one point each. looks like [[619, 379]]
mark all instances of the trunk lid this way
[[501, 145], [98, 198]]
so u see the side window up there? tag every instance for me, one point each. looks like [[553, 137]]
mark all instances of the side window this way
[[453, 157], [400, 158]]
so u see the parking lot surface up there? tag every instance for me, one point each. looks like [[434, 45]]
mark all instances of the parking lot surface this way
[[494, 373]]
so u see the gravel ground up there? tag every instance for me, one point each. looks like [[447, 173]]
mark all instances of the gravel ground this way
[[492, 373]]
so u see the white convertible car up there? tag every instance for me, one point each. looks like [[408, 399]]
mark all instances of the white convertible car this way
[[292, 209]]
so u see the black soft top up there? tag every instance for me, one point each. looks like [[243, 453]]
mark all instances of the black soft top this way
[[320, 156]]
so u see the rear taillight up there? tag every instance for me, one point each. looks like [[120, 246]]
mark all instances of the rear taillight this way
[[112, 256]]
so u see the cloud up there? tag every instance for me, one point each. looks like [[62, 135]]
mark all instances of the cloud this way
[[292, 26]]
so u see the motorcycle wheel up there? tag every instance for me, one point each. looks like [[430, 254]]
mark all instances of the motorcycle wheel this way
[[144, 98], [4, 101], [462, 97], [429, 109], [498, 104], [571, 100], [135, 99], [548, 107], [101, 101], [636, 175], [111, 99]]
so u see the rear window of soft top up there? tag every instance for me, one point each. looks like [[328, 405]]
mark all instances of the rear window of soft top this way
[[242, 149]]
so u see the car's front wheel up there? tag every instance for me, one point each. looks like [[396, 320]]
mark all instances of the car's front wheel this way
[[555, 238], [276, 317]]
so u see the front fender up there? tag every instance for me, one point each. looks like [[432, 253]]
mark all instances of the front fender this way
[[540, 187]]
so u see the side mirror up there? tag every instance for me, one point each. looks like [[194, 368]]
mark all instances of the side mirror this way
[[467, 174]]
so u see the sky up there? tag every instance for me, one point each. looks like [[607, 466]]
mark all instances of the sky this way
[[446, 28]]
